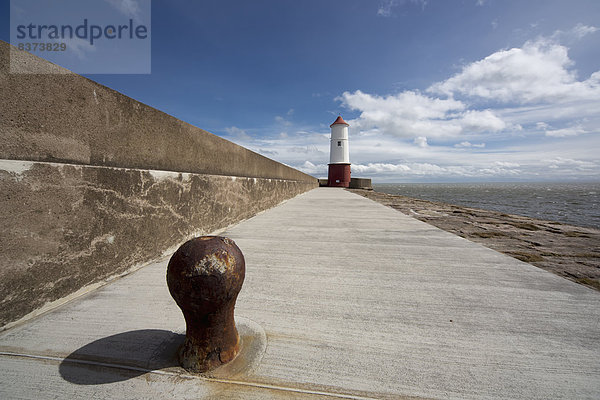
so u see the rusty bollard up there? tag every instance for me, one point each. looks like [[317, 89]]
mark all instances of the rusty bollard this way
[[204, 277]]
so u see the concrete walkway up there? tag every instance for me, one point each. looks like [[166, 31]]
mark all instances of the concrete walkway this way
[[356, 300]]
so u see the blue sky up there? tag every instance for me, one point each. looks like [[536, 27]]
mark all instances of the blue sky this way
[[437, 90]]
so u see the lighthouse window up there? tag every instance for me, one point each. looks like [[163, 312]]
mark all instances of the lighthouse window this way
[[339, 143]]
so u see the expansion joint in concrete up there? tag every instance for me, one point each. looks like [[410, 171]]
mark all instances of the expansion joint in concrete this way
[[184, 376]]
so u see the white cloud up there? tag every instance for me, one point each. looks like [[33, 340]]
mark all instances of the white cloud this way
[[312, 169], [542, 125], [568, 163], [539, 72], [570, 130], [281, 120], [564, 132], [412, 114], [378, 168], [578, 32], [421, 141], [409, 105], [236, 134], [468, 145], [506, 164], [304, 149], [559, 114], [268, 152], [481, 121], [583, 30]]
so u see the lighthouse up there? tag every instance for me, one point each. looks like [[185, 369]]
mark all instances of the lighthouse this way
[[339, 156]]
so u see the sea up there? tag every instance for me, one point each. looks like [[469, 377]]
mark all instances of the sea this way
[[571, 203]]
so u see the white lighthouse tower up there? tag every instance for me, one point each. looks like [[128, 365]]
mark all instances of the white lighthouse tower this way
[[339, 156]]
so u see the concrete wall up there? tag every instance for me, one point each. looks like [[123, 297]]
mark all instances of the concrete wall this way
[[94, 183], [361, 183]]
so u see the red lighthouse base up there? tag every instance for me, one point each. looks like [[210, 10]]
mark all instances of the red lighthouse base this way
[[339, 175]]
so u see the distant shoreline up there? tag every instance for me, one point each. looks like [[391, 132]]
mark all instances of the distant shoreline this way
[[570, 251]]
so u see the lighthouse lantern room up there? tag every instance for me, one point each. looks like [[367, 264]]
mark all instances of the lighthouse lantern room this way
[[339, 157]]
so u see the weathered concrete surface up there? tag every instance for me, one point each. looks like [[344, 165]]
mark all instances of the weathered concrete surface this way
[[403, 309], [68, 118], [65, 226], [68, 226]]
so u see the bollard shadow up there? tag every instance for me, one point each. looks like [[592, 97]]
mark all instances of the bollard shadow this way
[[121, 357]]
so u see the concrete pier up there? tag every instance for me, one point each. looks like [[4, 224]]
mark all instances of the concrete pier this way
[[403, 310]]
